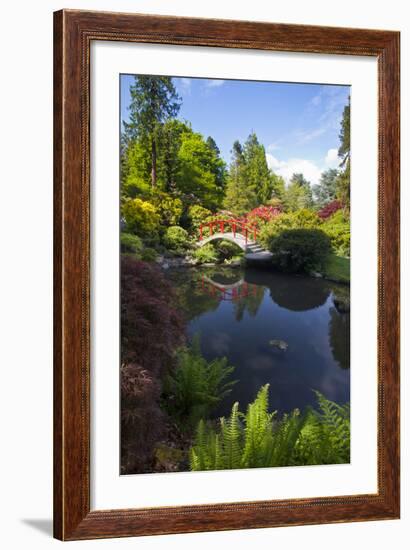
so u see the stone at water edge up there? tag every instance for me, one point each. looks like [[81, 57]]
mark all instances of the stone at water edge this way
[[342, 304], [280, 344]]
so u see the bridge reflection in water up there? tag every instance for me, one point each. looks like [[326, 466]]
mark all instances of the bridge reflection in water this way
[[227, 291]]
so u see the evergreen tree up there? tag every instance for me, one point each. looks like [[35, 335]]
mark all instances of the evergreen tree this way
[[298, 193], [212, 145], [300, 180], [326, 190], [240, 197], [257, 171], [153, 101], [218, 165], [344, 135], [199, 170], [278, 188], [168, 160], [343, 184]]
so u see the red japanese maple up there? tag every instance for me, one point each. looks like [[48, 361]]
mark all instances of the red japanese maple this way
[[330, 209]]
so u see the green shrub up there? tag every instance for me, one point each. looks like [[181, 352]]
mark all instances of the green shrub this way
[[300, 250], [168, 207], [206, 254], [141, 217], [131, 244], [196, 215], [226, 249], [301, 219], [176, 238], [149, 254], [337, 227], [235, 260], [196, 386], [259, 439]]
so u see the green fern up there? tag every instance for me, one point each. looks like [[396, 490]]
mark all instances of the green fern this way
[[231, 436], [258, 439], [258, 431], [326, 437], [196, 386]]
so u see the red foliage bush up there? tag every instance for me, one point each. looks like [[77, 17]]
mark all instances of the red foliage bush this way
[[151, 329], [262, 214], [329, 209]]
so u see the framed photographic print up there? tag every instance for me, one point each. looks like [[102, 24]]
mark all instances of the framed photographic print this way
[[226, 275]]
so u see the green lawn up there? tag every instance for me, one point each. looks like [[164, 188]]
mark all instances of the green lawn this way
[[337, 268]]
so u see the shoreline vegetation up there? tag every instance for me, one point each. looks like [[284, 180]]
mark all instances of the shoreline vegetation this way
[[174, 183], [169, 393]]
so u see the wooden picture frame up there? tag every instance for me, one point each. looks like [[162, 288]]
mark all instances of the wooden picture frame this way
[[74, 32]]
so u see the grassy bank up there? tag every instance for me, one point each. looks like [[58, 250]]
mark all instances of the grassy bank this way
[[337, 268]]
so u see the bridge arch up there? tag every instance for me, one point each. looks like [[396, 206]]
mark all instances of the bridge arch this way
[[240, 232], [237, 239]]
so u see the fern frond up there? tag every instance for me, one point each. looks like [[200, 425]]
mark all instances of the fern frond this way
[[231, 438], [258, 430]]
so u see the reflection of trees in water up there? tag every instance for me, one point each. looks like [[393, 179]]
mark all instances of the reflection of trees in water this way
[[339, 337], [200, 291], [191, 299], [289, 291], [231, 286], [250, 302]]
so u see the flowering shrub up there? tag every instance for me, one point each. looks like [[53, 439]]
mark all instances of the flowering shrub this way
[[151, 329], [262, 214], [329, 209]]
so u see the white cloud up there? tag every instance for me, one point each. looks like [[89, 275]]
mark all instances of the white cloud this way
[[273, 147], [310, 170], [185, 84], [304, 136], [316, 100], [286, 168], [327, 106], [214, 83], [332, 158]]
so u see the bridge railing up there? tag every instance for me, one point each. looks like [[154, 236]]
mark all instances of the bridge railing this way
[[236, 226]]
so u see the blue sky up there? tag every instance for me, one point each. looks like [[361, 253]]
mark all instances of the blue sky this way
[[298, 124]]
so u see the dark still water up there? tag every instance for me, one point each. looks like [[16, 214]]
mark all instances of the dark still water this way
[[273, 328]]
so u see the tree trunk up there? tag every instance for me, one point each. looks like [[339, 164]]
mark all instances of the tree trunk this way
[[153, 163]]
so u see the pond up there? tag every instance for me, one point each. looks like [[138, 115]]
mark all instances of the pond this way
[[279, 329]]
